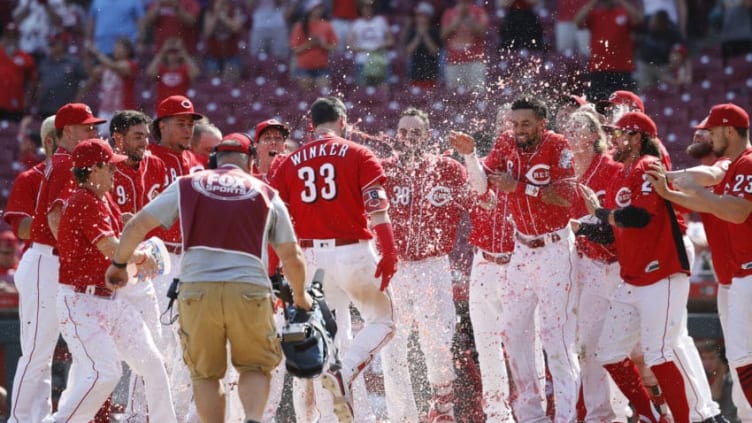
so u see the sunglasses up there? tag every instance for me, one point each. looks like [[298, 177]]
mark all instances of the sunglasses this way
[[620, 132]]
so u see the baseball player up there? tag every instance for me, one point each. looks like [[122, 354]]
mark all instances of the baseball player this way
[[269, 140], [37, 274], [597, 268], [19, 211], [100, 329], [333, 189], [173, 129], [427, 194], [534, 166], [138, 179], [649, 306], [726, 212]]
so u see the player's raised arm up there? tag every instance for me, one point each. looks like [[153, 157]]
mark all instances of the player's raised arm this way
[[377, 206]]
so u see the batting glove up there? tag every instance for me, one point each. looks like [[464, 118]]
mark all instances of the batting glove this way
[[386, 268]]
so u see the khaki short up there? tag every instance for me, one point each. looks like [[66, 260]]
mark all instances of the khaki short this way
[[213, 313]]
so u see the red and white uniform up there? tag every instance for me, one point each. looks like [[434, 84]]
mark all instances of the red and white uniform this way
[[37, 279], [23, 196], [100, 329], [492, 236], [544, 241], [427, 201], [132, 190], [597, 273], [322, 184]]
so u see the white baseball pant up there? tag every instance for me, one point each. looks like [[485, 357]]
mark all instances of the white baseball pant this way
[[743, 409], [36, 280], [542, 279], [487, 283], [597, 282], [739, 316], [348, 277], [100, 333], [422, 292]]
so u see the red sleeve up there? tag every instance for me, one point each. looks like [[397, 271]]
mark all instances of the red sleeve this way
[[277, 182], [331, 36], [60, 188], [562, 160], [371, 171], [296, 35], [95, 222], [22, 198], [741, 185]]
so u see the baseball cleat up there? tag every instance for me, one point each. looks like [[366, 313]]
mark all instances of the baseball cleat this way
[[332, 381]]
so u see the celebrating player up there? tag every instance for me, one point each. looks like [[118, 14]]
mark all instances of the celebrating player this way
[[333, 188], [535, 168]]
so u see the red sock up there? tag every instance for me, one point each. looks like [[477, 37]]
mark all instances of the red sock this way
[[627, 377], [103, 415], [581, 409], [745, 380], [672, 386]]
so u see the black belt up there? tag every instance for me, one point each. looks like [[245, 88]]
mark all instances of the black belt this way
[[310, 243], [537, 242]]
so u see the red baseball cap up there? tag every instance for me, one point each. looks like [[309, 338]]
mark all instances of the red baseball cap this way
[[177, 105], [575, 100], [236, 142], [94, 151], [637, 121], [627, 98], [76, 114], [728, 114], [271, 123]]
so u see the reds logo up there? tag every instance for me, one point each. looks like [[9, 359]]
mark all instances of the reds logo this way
[[624, 197], [539, 174], [439, 196], [224, 186], [172, 79], [601, 196]]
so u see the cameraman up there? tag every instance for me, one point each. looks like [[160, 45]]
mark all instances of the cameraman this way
[[227, 216]]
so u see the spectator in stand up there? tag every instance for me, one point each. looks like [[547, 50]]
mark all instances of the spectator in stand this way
[[165, 19], [61, 76], [422, 47], [9, 253], [223, 23], [676, 9], [736, 28], [659, 37], [611, 45], [521, 28], [206, 136], [463, 30], [111, 20], [571, 39], [269, 31], [312, 40], [680, 65], [117, 76], [173, 68], [37, 19], [18, 72], [344, 13], [717, 370], [369, 39], [31, 146]]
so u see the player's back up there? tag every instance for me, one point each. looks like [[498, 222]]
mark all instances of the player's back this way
[[322, 184]]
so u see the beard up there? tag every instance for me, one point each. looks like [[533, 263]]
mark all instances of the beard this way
[[700, 150]]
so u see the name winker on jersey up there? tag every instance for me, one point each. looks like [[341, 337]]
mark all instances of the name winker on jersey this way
[[322, 150]]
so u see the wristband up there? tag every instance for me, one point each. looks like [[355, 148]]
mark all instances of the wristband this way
[[527, 189], [119, 265], [602, 214]]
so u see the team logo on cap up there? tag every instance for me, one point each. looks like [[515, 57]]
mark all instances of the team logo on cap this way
[[186, 104], [88, 110], [623, 197], [539, 174], [224, 186], [439, 196]]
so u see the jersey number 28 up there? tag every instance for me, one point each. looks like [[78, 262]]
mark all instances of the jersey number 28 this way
[[310, 192]]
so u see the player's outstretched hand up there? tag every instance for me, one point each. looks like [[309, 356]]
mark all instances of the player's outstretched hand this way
[[386, 268], [656, 175], [589, 197], [115, 278], [462, 142], [686, 183]]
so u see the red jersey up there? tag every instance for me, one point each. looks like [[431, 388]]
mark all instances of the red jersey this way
[[603, 169], [173, 82], [316, 57], [463, 46], [134, 188], [717, 236], [322, 184], [548, 164], [176, 165], [738, 182], [86, 220], [492, 230], [646, 255], [58, 185], [611, 43], [16, 71], [168, 24], [24, 195], [426, 205]]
